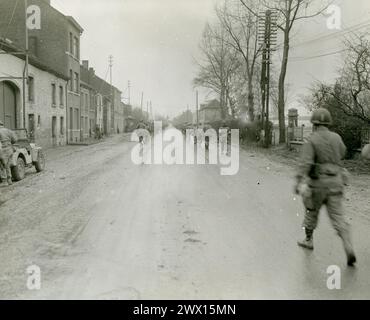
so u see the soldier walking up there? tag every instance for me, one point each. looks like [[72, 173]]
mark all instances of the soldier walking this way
[[322, 168], [7, 139], [223, 137]]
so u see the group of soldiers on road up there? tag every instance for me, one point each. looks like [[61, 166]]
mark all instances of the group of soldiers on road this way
[[321, 177]]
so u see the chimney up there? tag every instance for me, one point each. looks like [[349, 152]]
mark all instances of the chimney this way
[[85, 64]]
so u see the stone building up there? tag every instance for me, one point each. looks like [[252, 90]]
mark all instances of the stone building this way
[[105, 101], [210, 112], [43, 111], [56, 44]]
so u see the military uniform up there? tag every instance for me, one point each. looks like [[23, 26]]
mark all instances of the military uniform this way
[[7, 138], [322, 168], [224, 131]]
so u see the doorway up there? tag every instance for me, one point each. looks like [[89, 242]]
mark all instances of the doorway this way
[[8, 107], [54, 130]]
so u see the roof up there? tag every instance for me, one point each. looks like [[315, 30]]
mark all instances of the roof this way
[[75, 23], [212, 104], [68, 18], [90, 78], [14, 51]]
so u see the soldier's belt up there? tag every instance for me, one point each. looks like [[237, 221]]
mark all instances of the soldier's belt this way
[[329, 169]]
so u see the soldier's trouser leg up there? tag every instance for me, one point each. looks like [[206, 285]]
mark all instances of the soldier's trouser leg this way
[[311, 218], [309, 224], [312, 207], [7, 167], [2, 168], [336, 214]]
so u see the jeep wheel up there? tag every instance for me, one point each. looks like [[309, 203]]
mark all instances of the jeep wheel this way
[[19, 171], [40, 163]]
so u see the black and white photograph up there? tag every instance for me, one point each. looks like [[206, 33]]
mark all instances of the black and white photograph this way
[[184, 150]]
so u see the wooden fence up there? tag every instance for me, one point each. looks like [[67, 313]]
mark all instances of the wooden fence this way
[[365, 136]]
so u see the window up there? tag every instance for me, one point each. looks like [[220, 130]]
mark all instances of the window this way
[[61, 126], [76, 83], [71, 118], [71, 43], [76, 48], [31, 89], [53, 94], [61, 96], [76, 118], [53, 127], [87, 106], [71, 80]]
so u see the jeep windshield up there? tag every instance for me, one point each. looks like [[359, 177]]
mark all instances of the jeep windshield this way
[[21, 134]]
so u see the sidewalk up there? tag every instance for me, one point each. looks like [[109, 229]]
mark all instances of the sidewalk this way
[[56, 152]]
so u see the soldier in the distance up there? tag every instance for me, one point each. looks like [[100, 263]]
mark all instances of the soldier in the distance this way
[[7, 139], [321, 169], [223, 137]]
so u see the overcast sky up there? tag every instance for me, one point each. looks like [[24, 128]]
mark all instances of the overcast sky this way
[[154, 41]]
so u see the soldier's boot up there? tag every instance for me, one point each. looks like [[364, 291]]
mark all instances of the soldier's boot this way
[[348, 248], [307, 243], [10, 182]]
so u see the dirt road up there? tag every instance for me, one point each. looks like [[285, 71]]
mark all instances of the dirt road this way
[[100, 227]]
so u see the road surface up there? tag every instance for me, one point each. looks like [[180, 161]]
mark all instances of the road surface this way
[[100, 227]]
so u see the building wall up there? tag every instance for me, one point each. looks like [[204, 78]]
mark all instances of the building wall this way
[[117, 111], [85, 112], [119, 118], [92, 112], [107, 125], [50, 41], [99, 111], [41, 107], [51, 45], [74, 98]]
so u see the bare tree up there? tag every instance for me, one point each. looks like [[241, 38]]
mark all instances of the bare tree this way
[[241, 26], [289, 12], [351, 92], [218, 65]]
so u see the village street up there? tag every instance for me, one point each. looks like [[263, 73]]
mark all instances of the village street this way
[[100, 227]]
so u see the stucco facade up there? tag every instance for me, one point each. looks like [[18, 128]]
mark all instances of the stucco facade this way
[[45, 107]]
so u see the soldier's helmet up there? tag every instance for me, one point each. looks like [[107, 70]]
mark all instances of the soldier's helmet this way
[[321, 116]]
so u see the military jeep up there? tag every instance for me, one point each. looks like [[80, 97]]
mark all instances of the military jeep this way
[[26, 155]]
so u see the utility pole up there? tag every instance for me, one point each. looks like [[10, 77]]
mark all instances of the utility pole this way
[[25, 71], [267, 37], [111, 88], [147, 110], [129, 92], [197, 106], [141, 103]]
